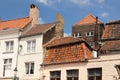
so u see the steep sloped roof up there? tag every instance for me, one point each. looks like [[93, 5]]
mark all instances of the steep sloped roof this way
[[89, 19], [15, 23], [67, 50], [112, 30]]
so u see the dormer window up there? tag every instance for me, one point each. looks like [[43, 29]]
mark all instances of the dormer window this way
[[90, 33], [77, 34]]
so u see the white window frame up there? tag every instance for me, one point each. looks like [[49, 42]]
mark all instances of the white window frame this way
[[90, 33], [78, 34], [7, 66], [28, 67], [31, 46], [9, 46]]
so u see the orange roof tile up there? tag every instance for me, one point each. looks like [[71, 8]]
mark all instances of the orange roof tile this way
[[64, 40], [112, 30], [15, 23], [88, 20], [67, 52]]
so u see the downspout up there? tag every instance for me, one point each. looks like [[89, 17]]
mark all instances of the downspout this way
[[18, 51]]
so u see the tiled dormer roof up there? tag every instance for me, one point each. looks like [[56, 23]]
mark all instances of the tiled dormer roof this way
[[15, 23], [89, 19], [38, 29], [67, 50]]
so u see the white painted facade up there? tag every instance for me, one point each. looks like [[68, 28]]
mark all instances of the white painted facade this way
[[20, 56], [35, 57], [106, 62], [5, 36]]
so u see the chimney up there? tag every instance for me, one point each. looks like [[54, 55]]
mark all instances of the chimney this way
[[96, 33], [59, 31], [0, 19], [34, 14]]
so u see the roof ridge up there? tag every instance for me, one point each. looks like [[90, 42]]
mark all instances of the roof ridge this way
[[15, 19]]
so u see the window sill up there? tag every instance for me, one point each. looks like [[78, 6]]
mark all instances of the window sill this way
[[7, 52], [29, 74]]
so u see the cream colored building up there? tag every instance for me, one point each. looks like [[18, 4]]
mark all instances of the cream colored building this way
[[103, 67]]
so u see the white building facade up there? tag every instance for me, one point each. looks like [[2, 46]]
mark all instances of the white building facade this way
[[8, 51]]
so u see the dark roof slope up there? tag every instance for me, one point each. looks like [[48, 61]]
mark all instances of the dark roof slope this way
[[113, 22], [111, 45], [38, 29]]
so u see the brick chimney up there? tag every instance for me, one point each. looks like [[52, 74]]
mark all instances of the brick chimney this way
[[34, 14], [59, 31]]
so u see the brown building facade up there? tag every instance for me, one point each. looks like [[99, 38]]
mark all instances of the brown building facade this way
[[90, 29]]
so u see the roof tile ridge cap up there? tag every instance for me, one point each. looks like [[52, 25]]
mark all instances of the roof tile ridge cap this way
[[16, 19]]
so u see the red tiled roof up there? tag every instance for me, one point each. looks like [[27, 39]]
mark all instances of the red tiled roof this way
[[38, 29], [16, 23], [88, 20], [112, 30], [64, 40], [67, 52]]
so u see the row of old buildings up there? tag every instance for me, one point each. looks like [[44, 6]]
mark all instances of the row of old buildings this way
[[33, 51]]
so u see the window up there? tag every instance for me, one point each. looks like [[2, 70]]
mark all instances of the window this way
[[7, 67], [90, 33], [55, 75], [31, 46], [77, 34], [9, 46], [118, 70], [95, 74], [29, 68], [72, 74]]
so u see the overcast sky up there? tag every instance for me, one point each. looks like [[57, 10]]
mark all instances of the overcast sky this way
[[72, 10]]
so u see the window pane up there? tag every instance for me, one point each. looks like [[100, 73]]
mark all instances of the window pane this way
[[55, 75], [95, 74], [72, 74], [29, 68]]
